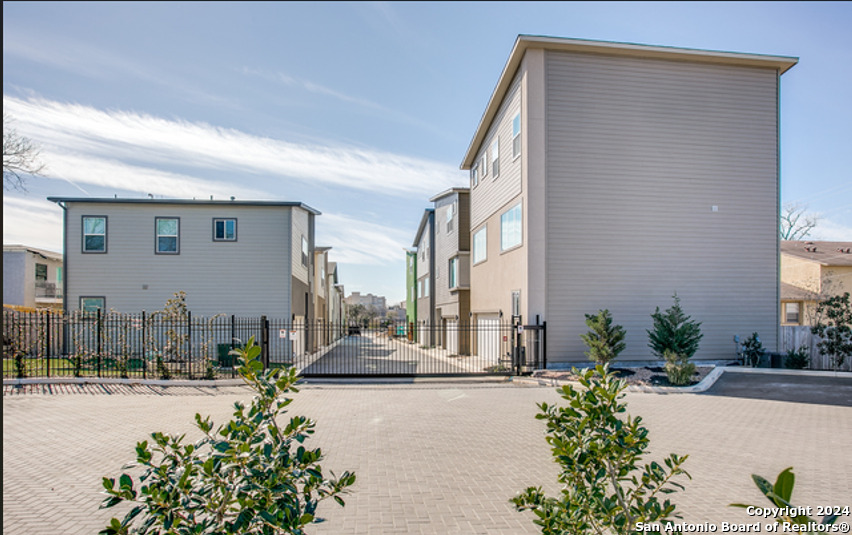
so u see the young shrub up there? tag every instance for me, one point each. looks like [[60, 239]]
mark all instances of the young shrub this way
[[674, 331], [791, 517], [679, 370], [605, 489], [835, 328], [798, 359], [753, 350], [605, 340], [249, 476]]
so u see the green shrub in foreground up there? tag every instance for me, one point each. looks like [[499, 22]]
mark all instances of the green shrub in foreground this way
[[250, 476], [679, 370], [604, 487], [604, 340]]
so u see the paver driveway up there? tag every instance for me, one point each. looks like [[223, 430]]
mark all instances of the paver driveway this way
[[430, 458]]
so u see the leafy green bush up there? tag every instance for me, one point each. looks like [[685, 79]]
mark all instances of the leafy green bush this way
[[674, 331], [835, 328], [679, 370], [604, 487], [798, 359], [605, 340], [250, 476], [779, 495], [753, 350]]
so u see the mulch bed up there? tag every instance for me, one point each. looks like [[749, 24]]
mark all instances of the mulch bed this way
[[649, 376]]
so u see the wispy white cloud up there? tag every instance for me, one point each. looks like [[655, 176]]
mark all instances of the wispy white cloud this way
[[125, 137], [355, 241], [828, 230], [33, 223]]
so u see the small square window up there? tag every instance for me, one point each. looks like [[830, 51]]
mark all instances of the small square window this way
[[791, 313], [168, 235], [224, 230], [92, 304]]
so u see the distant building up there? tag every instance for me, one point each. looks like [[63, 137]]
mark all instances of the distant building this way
[[369, 301], [32, 277], [397, 313]]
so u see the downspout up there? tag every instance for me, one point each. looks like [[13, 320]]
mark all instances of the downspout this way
[[777, 210]]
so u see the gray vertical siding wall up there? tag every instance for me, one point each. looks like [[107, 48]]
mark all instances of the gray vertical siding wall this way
[[18, 282], [639, 151], [248, 277], [446, 246]]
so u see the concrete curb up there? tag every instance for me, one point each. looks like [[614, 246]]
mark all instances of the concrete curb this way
[[705, 384], [119, 381]]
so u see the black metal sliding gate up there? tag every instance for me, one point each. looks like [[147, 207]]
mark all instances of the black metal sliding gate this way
[[153, 345]]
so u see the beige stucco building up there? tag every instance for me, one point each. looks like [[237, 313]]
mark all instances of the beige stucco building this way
[[610, 175], [812, 271]]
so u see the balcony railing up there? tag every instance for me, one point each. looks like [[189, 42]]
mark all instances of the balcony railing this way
[[48, 290]]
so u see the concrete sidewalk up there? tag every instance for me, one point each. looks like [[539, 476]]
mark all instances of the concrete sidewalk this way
[[430, 458]]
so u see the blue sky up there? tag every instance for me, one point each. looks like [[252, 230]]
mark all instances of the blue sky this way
[[361, 110]]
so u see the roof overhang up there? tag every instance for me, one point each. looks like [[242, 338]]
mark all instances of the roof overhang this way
[[427, 213], [191, 202], [525, 42], [449, 192]]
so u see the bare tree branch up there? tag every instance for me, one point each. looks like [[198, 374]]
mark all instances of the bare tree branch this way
[[20, 157], [796, 222]]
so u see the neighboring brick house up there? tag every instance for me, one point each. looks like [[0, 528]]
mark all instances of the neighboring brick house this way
[[812, 271], [611, 175], [32, 277], [246, 258]]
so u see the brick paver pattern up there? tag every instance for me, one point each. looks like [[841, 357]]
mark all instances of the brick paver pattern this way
[[429, 458]]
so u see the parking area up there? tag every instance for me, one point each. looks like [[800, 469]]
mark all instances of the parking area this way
[[430, 457]]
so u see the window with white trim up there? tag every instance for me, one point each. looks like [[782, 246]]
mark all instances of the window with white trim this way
[[516, 135], [480, 245], [474, 176], [451, 212], [304, 251], [483, 165], [791, 313], [168, 235], [92, 304], [224, 229], [94, 234], [510, 228], [495, 157], [454, 272]]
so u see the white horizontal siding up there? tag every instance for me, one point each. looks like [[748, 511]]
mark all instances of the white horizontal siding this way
[[493, 193], [638, 151]]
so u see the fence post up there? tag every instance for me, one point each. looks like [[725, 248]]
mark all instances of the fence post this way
[[47, 337], [189, 340], [264, 342], [100, 332], [544, 344], [144, 345]]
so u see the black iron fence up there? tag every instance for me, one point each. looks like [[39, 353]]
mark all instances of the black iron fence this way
[[162, 346]]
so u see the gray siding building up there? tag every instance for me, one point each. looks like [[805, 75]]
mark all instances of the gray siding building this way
[[610, 175], [247, 258]]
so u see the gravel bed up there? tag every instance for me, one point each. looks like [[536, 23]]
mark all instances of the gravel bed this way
[[648, 376]]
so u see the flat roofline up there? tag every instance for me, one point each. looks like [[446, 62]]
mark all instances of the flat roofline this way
[[525, 42], [449, 192], [194, 202]]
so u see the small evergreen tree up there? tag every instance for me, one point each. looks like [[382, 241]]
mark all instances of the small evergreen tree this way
[[753, 350], [605, 340], [674, 331]]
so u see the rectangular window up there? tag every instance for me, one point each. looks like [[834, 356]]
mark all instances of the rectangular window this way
[[59, 275], [168, 235], [480, 243], [791, 313], [425, 287], [94, 234], [450, 214], [41, 272], [304, 251], [483, 165], [495, 157], [454, 272], [92, 304], [224, 229], [516, 303], [510, 228], [474, 176], [516, 136]]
